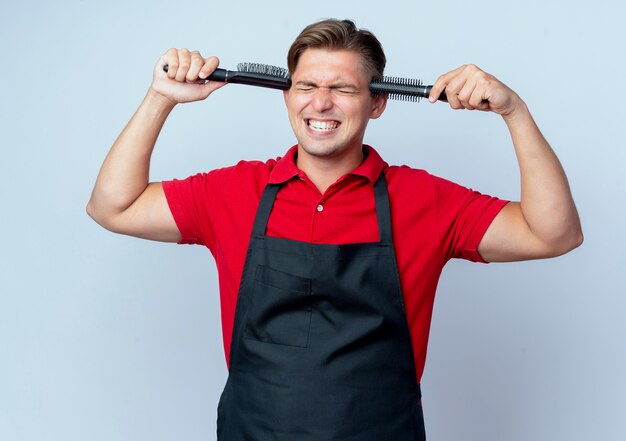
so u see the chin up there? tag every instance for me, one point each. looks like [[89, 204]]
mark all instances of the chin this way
[[321, 151]]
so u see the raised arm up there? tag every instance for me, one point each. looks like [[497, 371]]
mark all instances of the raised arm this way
[[544, 223], [123, 200]]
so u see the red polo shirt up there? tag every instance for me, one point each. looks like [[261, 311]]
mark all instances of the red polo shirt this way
[[433, 220]]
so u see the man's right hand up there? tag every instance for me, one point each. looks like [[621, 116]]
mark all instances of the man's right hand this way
[[123, 200], [184, 80]]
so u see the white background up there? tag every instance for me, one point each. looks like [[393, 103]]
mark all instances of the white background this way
[[105, 337]]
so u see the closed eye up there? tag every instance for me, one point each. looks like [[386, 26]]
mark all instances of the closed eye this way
[[341, 88], [347, 91], [305, 86]]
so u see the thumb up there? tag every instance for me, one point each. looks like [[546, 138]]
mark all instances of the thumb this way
[[209, 87]]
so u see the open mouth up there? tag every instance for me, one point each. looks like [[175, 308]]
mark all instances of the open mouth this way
[[322, 126]]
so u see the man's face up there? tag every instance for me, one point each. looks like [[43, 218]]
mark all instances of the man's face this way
[[329, 103]]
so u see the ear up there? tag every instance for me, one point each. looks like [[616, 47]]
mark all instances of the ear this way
[[378, 106], [286, 95]]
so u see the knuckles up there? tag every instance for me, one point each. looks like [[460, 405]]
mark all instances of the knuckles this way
[[471, 68], [465, 86], [181, 60]]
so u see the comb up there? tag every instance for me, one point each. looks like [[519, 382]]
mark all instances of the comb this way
[[404, 89], [252, 74]]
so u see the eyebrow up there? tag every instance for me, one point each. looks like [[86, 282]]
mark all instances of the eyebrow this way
[[339, 85]]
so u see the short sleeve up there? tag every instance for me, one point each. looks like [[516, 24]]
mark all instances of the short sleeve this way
[[210, 208], [463, 216], [189, 203]]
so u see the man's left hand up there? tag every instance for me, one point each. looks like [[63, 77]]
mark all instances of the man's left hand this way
[[469, 87]]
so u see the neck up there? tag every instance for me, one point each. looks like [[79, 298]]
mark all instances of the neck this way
[[324, 171]]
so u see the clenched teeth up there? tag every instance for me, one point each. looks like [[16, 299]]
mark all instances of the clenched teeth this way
[[323, 125]]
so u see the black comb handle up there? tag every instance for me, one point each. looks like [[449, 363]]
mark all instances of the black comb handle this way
[[442, 95]]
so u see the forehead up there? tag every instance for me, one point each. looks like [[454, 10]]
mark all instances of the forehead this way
[[323, 65]]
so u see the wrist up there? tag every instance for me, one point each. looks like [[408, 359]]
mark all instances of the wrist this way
[[518, 115], [158, 101]]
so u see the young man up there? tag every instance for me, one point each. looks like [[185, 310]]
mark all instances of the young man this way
[[328, 258]]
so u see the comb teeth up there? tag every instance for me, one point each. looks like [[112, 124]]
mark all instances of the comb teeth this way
[[404, 89], [263, 69]]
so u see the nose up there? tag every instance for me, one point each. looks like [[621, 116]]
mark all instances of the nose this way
[[322, 99]]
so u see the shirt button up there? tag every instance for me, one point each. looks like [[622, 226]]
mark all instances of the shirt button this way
[[320, 207]]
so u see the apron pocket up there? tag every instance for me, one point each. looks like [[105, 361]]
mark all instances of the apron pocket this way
[[280, 309]]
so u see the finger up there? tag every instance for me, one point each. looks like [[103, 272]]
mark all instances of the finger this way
[[435, 92], [210, 64], [194, 69], [184, 62], [441, 83], [478, 100], [466, 92], [452, 91], [170, 59]]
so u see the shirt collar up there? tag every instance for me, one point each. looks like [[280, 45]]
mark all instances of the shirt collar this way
[[285, 167]]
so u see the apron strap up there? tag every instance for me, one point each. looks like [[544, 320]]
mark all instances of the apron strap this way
[[383, 211], [264, 210]]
